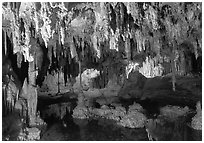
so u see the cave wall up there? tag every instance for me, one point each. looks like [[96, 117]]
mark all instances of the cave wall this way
[[112, 37]]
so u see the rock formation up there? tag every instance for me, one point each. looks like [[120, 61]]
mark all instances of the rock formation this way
[[103, 52]]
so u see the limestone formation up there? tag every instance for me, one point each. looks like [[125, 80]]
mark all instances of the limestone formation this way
[[196, 122]]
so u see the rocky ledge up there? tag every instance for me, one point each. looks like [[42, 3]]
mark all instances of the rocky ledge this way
[[133, 118]]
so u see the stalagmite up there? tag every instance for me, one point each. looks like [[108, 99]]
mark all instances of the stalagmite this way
[[29, 92], [173, 72]]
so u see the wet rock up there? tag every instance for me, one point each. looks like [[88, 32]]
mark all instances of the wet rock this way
[[133, 86], [134, 117], [117, 113], [39, 121], [108, 113], [22, 136], [33, 134], [196, 122], [135, 107], [102, 112], [173, 112], [133, 120], [81, 112], [29, 134]]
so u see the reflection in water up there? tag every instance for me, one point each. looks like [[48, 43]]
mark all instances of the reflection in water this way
[[107, 130], [160, 129], [94, 130]]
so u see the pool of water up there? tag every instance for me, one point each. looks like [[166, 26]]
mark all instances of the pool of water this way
[[93, 130], [100, 129], [107, 130]]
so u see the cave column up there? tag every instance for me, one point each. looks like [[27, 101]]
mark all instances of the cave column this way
[[173, 66], [32, 94], [183, 63]]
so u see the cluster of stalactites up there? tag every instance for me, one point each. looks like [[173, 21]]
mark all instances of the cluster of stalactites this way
[[29, 20], [148, 25]]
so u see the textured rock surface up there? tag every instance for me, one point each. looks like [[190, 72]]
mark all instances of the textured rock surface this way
[[33, 134], [53, 84], [116, 39], [173, 112], [29, 134], [135, 107], [109, 34], [197, 119], [81, 112], [108, 113], [134, 117]]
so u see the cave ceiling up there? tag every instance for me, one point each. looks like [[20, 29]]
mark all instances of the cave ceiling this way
[[122, 30]]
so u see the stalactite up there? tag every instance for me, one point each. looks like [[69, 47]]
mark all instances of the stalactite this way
[[108, 24], [66, 70], [127, 47], [73, 49], [5, 43], [82, 46], [58, 83], [49, 55], [4, 99], [80, 74]]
